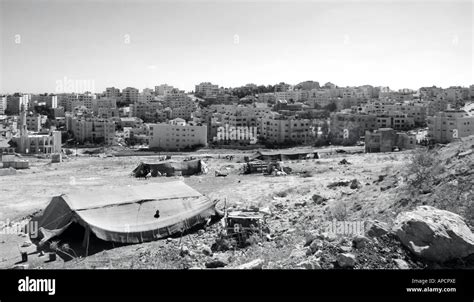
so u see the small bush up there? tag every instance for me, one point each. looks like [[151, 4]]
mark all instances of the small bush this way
[[424, 167]]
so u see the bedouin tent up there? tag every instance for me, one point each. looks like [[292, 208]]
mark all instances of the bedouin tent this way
[[171, 168], [285, 155], [128, 214]]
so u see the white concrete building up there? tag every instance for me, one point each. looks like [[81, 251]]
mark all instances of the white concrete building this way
[[176, 135]]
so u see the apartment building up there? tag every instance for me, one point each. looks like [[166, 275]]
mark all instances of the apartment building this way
[[266, 97], [397, 121], [103, 104], [207, 89], [349, 127], [3, 104], [388, 140], [280, 129], [34, 122], [319, 98], [292, 95], [415, 110], [148, 111], [87, 99], [176, 135], [112, 92], [130, 95], [93, 130], [444, 127], [163, 89], [14, 103]]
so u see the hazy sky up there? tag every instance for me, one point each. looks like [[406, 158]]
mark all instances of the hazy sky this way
[[403, 44]]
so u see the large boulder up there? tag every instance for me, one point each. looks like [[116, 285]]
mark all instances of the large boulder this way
[[376, 228], [434, 234]]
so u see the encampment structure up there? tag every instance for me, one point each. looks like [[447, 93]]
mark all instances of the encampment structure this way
[[129, 214], [284, 155], [171, 168]]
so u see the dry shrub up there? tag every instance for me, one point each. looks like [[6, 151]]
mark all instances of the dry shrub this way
[[423, 168], [339, 210]]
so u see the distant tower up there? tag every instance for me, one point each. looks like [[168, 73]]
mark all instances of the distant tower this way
[[23, 129], [22, 141]]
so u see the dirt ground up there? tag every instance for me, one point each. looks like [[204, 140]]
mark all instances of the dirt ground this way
[[30, 190]]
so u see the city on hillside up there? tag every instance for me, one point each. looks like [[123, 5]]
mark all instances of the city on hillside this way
[[248, 117]]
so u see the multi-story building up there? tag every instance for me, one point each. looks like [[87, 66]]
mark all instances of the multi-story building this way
[[93, 130], [36, 143], [15, 102], [180, 103], [319, 98], [207, 89], [387, 140], [347, 128], [415, 110], [266, 97], [103, 103], [292, 95], [146, 97], [436, 105], [34, 122], [87, 99], [282, 129], [163, 89], [112, 92], [176, 135], [148, 111], [449, 125], [3, 104], [397, 121], [130, 95]]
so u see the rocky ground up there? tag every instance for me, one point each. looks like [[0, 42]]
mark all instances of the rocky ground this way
[[369, 189]]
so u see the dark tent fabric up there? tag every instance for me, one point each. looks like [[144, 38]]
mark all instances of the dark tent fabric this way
[[128, 214], [171, 168], [285, 155]]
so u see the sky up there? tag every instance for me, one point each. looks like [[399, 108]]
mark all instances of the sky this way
[[141, 44]]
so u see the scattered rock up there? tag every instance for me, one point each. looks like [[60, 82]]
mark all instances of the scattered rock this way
[[309, 237], [346, 260], [184, 251], [360, 241], [344, 162], [328, 236], [434, 234], [206, 250], [355, 184], [318, 199], [345, 248], [26, 244], [315, 245], [309, 264], [344, 183], [298, 253], [401, 264], [376, 228], [254, 264], [215, 263]]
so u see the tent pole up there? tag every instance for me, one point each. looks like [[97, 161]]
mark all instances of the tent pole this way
[[85, 242]]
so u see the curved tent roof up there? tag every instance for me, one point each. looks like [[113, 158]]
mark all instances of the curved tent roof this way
[[128, 214]]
